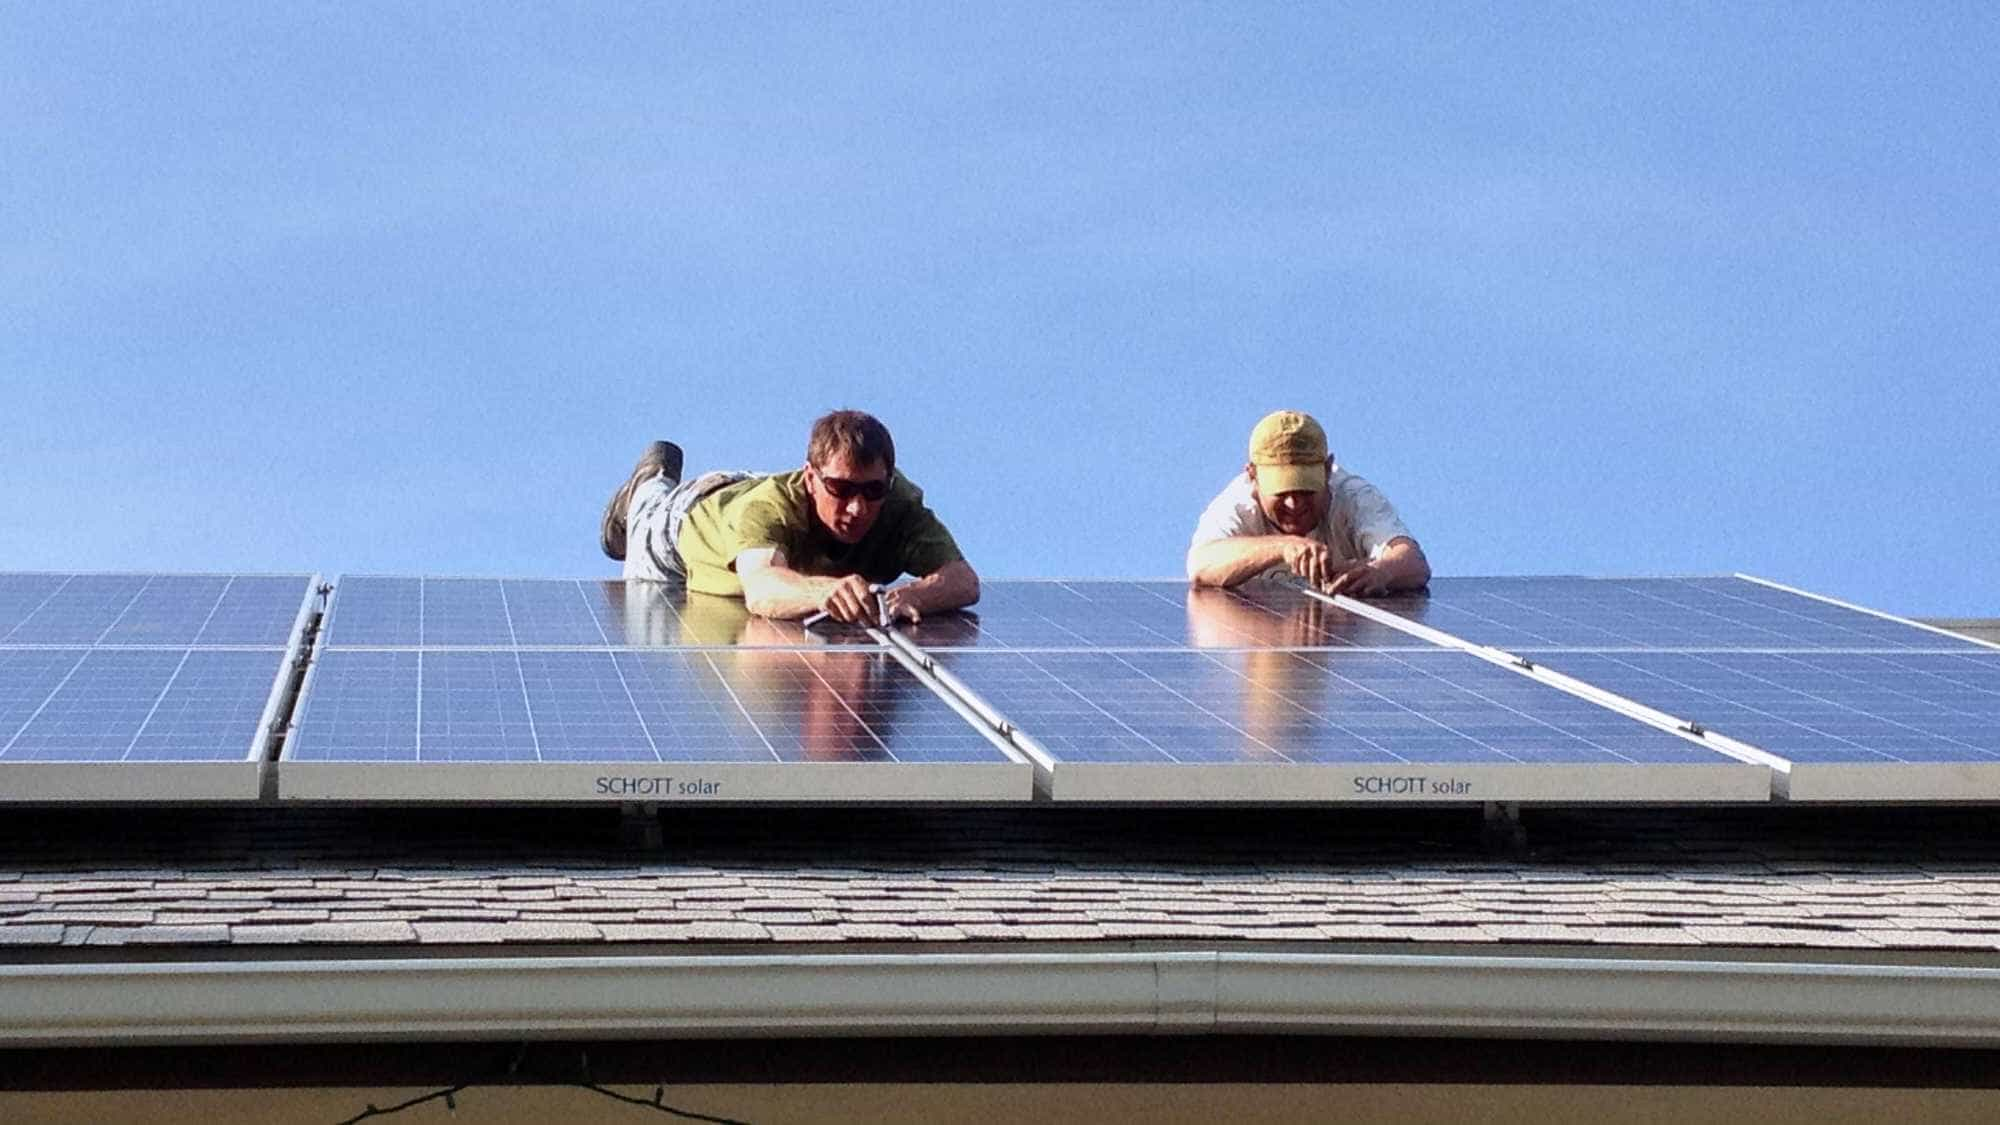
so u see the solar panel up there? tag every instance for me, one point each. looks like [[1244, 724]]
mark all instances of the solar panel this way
[[1266, 725], [1531, 614], [1849, 703], [1086, 614], [1853, 725], [137, 687], [559, 690]]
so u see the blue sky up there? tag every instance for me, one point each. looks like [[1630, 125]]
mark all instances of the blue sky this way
[[1585, 289]]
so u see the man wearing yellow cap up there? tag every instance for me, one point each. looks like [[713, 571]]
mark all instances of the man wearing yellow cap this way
[[1292, 509]]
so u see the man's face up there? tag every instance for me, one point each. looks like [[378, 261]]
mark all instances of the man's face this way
[[1292, 513], [847, 517]]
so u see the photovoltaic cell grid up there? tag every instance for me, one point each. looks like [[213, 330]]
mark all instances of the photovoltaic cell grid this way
[[1170, 615], [409, 612], [141, 668], [1539, 614], [1290, 707], [190, 611], [787, 706], [1820, 685], [1817, 708]]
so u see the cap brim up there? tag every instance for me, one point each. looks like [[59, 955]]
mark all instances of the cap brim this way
[[1273, 479]]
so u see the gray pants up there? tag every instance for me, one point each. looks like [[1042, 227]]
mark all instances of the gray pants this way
[[653, 520]]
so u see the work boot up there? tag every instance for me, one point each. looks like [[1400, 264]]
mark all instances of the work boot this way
[[662, 458]]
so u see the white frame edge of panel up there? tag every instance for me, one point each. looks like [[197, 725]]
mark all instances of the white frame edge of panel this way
[[664, 783]]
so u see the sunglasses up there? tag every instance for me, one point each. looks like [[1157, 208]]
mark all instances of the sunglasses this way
[[872, 491]]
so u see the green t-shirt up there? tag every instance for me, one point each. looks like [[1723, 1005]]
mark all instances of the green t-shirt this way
[[776, 511]]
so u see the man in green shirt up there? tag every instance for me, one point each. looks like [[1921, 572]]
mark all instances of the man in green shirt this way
[[793, 544]]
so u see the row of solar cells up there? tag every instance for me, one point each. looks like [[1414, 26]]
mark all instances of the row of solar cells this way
[[175, 687]]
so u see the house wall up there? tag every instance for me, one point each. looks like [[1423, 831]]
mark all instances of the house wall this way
[[1165, 1104]]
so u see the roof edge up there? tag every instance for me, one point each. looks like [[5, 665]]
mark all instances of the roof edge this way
[[997, 994]]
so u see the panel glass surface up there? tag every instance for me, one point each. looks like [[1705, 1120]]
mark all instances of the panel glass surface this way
[[1110, 614], [1817, 708], [1534, 614], [186, 610], [141, 668], [626, 706], [137, 704], [1291, 707], [23, 594], [390, 612]]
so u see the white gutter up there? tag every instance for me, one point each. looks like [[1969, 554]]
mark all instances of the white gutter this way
[[996, 994]]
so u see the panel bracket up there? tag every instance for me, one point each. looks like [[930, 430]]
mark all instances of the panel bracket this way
[[639, 826], [1502, 830]]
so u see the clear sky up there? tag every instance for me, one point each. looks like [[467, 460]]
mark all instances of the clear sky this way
[[1603, 289]]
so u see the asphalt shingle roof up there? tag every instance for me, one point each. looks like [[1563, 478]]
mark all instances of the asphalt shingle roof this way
[[106, 883]]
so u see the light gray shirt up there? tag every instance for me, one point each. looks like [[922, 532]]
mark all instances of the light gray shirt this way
[[1359, 525]]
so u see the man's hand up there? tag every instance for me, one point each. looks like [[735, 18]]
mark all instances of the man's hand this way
[[1310, 559], [1361, 580], [851, 600]]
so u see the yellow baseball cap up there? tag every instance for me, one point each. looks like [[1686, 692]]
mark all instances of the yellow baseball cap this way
[[1289, 450]]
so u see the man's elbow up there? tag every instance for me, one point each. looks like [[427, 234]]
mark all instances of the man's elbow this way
[[764, 603], [965, 584], [1203, 572], [1416, 568]]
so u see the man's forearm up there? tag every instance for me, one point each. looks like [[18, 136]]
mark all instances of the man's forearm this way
[[954, 585], [785, 594], [1233, 561]]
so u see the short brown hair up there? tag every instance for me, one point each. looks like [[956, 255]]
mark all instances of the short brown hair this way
[[858, 435]]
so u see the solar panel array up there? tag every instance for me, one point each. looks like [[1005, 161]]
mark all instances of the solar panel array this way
[[558, 690], [165, 687], [1857, 705], [142, 687]]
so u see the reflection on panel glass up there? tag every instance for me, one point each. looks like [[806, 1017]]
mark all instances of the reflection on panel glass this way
[[190, 610], [79, 612], [1526, 614], [21, 595], [391, 612], [1109, 614], [1278, 707], [1819, 708], [746, 705]]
